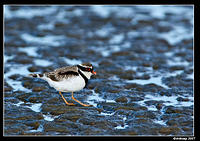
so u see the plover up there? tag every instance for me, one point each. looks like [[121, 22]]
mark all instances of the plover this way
[[68, 79]]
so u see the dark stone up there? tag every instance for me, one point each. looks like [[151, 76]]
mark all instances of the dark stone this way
[[33, 124], [33, 69], [122, 99], [169, 130], [38, 89], [182, 99]]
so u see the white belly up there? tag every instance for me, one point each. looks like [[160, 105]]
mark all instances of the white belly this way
[[68, 85]]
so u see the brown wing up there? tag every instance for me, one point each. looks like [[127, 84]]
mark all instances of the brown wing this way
[[63, 73]]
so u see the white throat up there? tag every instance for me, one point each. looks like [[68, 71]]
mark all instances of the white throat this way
[[87, 74]]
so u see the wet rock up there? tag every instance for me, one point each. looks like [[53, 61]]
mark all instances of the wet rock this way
[[152, 88], [175, 68], [129, 75], [33, 69], [23, 59], [15, 76], [155, 66], [22, 96], [53, 128], [108, 106], [171, 110], [92, 85], [135, 99], [113, 90], [121, 99], [93, 38], [54, 109], [169, 130], [182, 99], [141, 121], [144, 77], [188, 123], [87, 121], [33, 124], [178, 81], [165, 92], [105, 63], [159, 106], [35, 98], [27, 84], [121, 53], [131, 107], [172, 122], [38, 89], [145, 115], [134, 86], [14, 129], [7, 88], [153, 102]]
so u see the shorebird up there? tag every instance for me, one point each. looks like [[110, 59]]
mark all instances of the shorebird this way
[[68, 79]]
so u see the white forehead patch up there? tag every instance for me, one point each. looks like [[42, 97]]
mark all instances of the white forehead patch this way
[[86, 66]]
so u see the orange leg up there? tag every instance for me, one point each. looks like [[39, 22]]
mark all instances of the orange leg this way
[[65, 99], [79, 101]]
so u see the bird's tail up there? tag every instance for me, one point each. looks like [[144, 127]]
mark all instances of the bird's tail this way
[[36, 75]]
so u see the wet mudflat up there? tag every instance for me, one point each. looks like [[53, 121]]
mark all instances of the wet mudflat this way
[[143, 56]]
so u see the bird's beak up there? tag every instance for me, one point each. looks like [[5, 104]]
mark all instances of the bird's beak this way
[[93, 72]]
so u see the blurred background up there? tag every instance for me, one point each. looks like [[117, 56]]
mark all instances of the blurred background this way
[[143, 56]]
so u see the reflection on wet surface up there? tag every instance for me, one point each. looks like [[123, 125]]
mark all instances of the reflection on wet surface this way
[[143, 56]]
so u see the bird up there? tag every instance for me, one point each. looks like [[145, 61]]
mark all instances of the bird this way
[[68, 79]]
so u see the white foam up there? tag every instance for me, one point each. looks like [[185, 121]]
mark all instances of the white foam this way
[[36, 107], [156, 80], [176, 61], [42, 62], [106, 11], [115, 78], [49, 117], [116, 39], [31, 51], [161, 122], [17, 85], [19, 103], [71, 61], [108, 50], [177, 34], [122, 126], [39, 129], [6, 58], [103, 11], [102, 32], [190, 76], [46, 40], [167, 101], [107, 114], [47, 26], [106, 53], [159, 11], [93, 98], [17, 69], [28, 13]]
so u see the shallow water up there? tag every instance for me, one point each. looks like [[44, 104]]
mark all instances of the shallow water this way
[[143, 56]]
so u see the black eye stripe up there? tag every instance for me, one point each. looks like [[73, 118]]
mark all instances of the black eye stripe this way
[[85, 69]]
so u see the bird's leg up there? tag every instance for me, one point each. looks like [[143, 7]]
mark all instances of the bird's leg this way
[[79, 101], [65, 99]]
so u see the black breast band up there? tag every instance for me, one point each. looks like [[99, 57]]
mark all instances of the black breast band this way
[[84, 77]]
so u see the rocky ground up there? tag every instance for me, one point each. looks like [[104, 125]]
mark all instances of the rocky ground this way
[[143, 56]]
